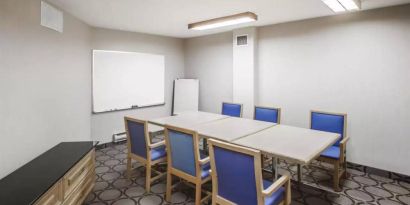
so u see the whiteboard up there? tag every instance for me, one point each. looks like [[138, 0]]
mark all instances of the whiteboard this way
[[124, 80], [186, 95]]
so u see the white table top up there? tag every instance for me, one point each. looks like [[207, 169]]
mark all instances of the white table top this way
[[229, 129], [295, 144], [154, 128], [186, 119]]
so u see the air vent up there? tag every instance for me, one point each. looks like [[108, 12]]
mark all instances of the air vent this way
[[51, 17], [242, 40]]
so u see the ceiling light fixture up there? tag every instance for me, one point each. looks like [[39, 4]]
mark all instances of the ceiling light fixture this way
[[224, 21], [351, 5], [334, 5], [343, 5]]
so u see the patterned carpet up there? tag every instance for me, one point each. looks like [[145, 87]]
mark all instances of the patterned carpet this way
[[112, 186]]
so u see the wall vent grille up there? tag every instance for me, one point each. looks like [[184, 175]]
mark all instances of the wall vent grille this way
[[51, 17], [242, 40]]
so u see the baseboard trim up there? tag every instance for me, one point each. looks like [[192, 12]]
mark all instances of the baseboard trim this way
[[378, 172], [108, 144]]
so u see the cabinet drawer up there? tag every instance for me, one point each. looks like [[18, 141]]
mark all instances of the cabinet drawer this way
[[81, 191], [52, 197], [78, 173]]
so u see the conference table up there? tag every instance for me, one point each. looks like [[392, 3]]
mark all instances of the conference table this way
[[294, 144], [185, 119], [230, 129]]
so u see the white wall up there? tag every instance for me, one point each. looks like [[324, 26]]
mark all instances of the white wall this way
[[209, 59], [356, 63], [103, 125], [44, 83], [244, 58]]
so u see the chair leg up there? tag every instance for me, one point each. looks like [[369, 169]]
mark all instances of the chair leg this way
[[169, 187], [129, 165], [198, 193], [213, 198], [288, 197], [205, 146], [148, 178], [336, 186], [299, 173], [345, 174]]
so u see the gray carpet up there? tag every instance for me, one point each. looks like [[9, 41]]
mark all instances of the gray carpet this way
[[112, 186]]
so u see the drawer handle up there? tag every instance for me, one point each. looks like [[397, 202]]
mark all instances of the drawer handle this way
[[72, 179]]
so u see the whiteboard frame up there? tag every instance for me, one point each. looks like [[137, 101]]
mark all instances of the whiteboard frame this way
[[122, 109]]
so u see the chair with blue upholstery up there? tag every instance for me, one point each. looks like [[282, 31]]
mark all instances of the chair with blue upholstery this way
[[142, 150], [185, 161], [267, 114], [336, 154], [237, 177], [232, 109]]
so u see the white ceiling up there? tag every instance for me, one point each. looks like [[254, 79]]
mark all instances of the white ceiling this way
[[171, 17]]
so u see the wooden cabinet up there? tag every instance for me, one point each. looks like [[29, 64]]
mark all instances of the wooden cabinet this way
[[73, 188], [53, 196], [81, 191], [78, 174]]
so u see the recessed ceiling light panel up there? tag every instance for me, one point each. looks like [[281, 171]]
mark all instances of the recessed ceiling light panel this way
[[343, 5], [224, 21], [351, 5], [334, 5]]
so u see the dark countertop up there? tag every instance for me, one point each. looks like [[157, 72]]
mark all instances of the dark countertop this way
[[28, 183]]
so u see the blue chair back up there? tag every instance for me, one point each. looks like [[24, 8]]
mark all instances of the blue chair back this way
[[267, 114], [235, 176], [231, 109], [329, 123], [136, 133], [182, 150]]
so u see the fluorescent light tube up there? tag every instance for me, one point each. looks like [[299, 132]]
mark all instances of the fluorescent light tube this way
[[224, 21], [334, 5], [351, 5]]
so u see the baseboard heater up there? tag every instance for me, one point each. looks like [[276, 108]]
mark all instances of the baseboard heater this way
[[119, 137]]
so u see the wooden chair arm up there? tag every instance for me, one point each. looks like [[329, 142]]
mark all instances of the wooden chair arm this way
[[343, 148], [158, 144], [276, 185], [344, 140], [204, 160]]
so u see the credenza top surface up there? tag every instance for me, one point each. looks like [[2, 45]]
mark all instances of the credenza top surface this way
[[29, 182]]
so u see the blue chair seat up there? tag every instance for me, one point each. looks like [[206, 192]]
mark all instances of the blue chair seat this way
[[276, 197], [158, 153], [332, 152], [205, 168]]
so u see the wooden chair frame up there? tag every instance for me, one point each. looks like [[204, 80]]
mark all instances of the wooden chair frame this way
[[271, 108], [148, 163], [340, 165], [197, 180], [233, 104], [261, 193]]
